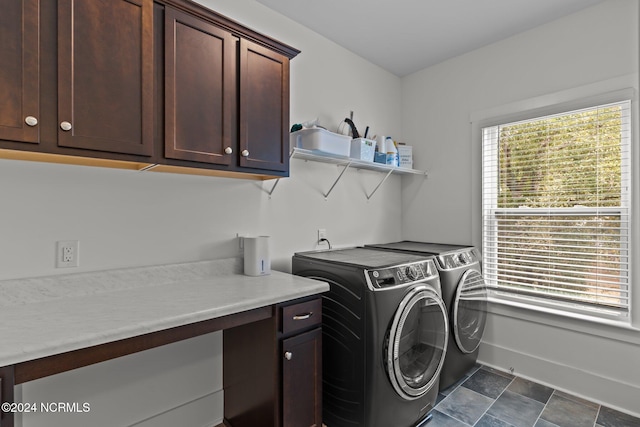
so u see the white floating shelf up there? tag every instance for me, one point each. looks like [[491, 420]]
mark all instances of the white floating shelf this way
[[348, 162], [319, 156]]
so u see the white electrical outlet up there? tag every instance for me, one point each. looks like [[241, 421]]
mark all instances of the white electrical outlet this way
[[322, 234], [67, 253]]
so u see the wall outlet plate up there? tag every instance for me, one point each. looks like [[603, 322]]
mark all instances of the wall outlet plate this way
[[67, 253], [322, 234]]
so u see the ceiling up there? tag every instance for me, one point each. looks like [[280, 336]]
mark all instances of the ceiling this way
[[404, 36]]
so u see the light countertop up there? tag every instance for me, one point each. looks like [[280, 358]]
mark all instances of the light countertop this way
[[44, 316]]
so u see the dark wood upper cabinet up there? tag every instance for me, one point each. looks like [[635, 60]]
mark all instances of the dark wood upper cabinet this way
[[105, 75], [264, 108], [164, 85], [226, 97], [19, 70], [200, 90]]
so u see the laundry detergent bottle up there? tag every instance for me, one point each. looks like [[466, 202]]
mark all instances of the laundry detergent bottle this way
[[392, 152]]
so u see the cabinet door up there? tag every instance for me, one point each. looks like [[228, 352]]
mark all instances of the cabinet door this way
[[105, 75], [200, 90], [302, 380], [264, 108], [19, 70]]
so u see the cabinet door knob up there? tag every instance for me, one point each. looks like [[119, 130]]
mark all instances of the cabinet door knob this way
[[288, 355], [228, 150], [31, 121], [245, 153], [65, 126]]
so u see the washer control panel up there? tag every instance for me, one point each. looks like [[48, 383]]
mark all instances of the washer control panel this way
[[402, 274], [452, 260]]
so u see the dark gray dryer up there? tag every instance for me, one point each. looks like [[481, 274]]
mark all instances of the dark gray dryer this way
[[384, 335], [465, 295]]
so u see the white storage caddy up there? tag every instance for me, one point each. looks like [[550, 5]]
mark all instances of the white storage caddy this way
[[321, 140], [363, 149]]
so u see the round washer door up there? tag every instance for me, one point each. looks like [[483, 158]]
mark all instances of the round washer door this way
[[417, 343], [470, 311]]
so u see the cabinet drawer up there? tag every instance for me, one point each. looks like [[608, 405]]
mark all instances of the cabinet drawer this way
[[301, 316]]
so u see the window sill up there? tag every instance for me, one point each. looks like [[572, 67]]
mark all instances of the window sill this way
[[591, 325]]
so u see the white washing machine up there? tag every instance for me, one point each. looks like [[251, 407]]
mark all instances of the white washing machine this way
[[384, 335], [465, 295]]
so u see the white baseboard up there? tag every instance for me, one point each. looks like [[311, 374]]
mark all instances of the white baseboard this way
[[609, 392], [205, 411]]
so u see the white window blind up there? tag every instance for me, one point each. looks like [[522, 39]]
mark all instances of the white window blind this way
[[556, 211]]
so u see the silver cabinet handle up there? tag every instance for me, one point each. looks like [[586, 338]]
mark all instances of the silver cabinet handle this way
[[228, 150], [303, 316], [65, 126], [245, 153], [288, 355], [31, 121]]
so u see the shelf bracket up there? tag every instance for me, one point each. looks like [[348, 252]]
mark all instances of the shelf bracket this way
[[148, 167], [346, 166], [270, 192], [369, 196]]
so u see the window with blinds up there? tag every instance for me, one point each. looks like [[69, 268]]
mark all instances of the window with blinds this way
[[556, 211]]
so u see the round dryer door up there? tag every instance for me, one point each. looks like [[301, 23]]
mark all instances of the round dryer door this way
[[417, 343], [470, 311]]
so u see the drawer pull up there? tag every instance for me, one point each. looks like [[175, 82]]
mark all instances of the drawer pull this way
[[303, 316], [288, 355], [296, 317]]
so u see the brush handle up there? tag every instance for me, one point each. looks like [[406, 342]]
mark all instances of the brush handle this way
[[354, 131]]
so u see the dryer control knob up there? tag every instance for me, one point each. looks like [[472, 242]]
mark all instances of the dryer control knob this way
[[463, 258], [411, 272]]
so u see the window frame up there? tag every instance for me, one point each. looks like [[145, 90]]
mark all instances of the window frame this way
[[610, 91]]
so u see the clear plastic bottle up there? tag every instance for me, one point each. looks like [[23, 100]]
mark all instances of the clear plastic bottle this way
[[392, 152]]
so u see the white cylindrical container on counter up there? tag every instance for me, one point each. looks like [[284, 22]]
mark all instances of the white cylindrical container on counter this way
[[257, 261]]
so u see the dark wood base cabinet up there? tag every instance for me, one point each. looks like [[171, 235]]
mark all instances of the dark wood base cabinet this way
[[273, 369], [272, 363], [302, 379], [7, 383]]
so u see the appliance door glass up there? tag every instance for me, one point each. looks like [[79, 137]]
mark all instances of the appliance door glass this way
[[417, 343], [470, 311]]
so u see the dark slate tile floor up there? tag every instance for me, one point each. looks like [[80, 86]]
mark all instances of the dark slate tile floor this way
[[490, 398]]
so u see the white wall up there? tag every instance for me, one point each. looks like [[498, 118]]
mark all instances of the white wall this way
[[588, 48], [124, 218], [130, 219]]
